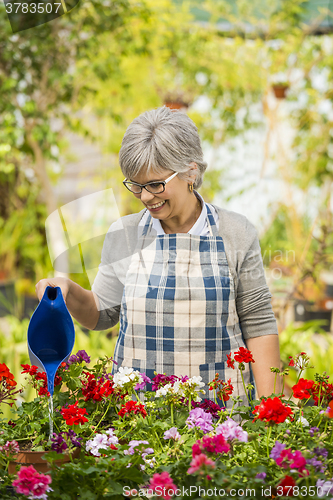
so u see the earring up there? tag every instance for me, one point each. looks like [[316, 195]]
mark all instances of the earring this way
[[190, 188]]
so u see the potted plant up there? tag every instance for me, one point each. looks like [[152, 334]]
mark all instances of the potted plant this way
[[169, 442], [280, 85]]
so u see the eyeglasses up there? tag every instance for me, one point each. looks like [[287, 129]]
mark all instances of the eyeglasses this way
[[154, 187]]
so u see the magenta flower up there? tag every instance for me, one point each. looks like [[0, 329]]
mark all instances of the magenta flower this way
[[31, 483], [210, 444], [160, 380], [199, 462], [163, 484], [145, 380], [209, 406], [299, 461], [292, 460], [285, 458], [199, 418]]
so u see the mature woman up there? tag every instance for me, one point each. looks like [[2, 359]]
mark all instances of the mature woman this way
[[184, 277]]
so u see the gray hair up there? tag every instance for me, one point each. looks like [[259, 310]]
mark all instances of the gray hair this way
[[162, 139]]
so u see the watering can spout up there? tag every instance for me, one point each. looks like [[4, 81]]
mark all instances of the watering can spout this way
[[51, 334]]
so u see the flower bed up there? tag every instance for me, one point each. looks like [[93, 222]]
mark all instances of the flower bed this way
[[166, 442]]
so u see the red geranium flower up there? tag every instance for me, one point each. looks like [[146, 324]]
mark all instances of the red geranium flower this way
[[41, 387], [272, 410], [287, 484], [330, 410], [132, 407], [302, 390], [291, 361], [74, 415], [31, 370], [224, 389], [7, 385], [6, 376], [96, 389], [243, 355], [326, 393], [230, 362]]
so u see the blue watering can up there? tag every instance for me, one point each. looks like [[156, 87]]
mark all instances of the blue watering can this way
[[51, 334]]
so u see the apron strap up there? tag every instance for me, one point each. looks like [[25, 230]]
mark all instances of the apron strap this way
[[211, 222]]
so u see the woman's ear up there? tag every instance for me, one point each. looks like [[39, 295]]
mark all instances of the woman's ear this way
[[193, 171]]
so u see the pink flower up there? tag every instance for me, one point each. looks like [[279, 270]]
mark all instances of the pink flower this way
[[31, 483], [285, 458], [231, 430], [11, 448], [299, 461], [200, 461], [210, 444], [163, 485], [292, 460]]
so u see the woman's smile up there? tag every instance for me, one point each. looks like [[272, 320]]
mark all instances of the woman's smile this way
[[155, 207]]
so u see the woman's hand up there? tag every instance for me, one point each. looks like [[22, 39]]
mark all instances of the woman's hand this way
[[62, 283], [82, 304]]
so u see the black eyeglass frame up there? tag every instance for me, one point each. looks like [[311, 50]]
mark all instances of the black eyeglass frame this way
[[125, 181]]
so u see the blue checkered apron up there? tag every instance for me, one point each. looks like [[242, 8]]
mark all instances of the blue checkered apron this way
[[178, 313]]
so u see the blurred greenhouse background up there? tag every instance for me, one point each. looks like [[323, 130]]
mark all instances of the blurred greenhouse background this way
[[257, 79]]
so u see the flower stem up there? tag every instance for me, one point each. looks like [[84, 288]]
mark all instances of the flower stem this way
[[268, 437], [245, 389], [101, 419], [171, 409]]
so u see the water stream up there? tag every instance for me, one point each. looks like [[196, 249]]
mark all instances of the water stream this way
[[51, 416]]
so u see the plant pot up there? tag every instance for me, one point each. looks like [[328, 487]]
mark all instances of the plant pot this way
[[175, 105], [280, 90], [35, 458]]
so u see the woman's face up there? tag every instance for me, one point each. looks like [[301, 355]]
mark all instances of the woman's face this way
[[171, 202]]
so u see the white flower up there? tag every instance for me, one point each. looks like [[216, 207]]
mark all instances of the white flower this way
[[99, 441], [125, 375], [303, 421], [175, 389], [196, 381], [162, 391]]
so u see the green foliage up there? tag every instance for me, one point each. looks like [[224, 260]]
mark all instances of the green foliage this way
[[313, 340]]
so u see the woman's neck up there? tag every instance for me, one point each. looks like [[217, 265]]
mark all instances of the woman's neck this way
[[186, 220]]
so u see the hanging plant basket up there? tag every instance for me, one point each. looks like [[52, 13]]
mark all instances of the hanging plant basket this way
[[280, 90], [176, 104], [34, 458]]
